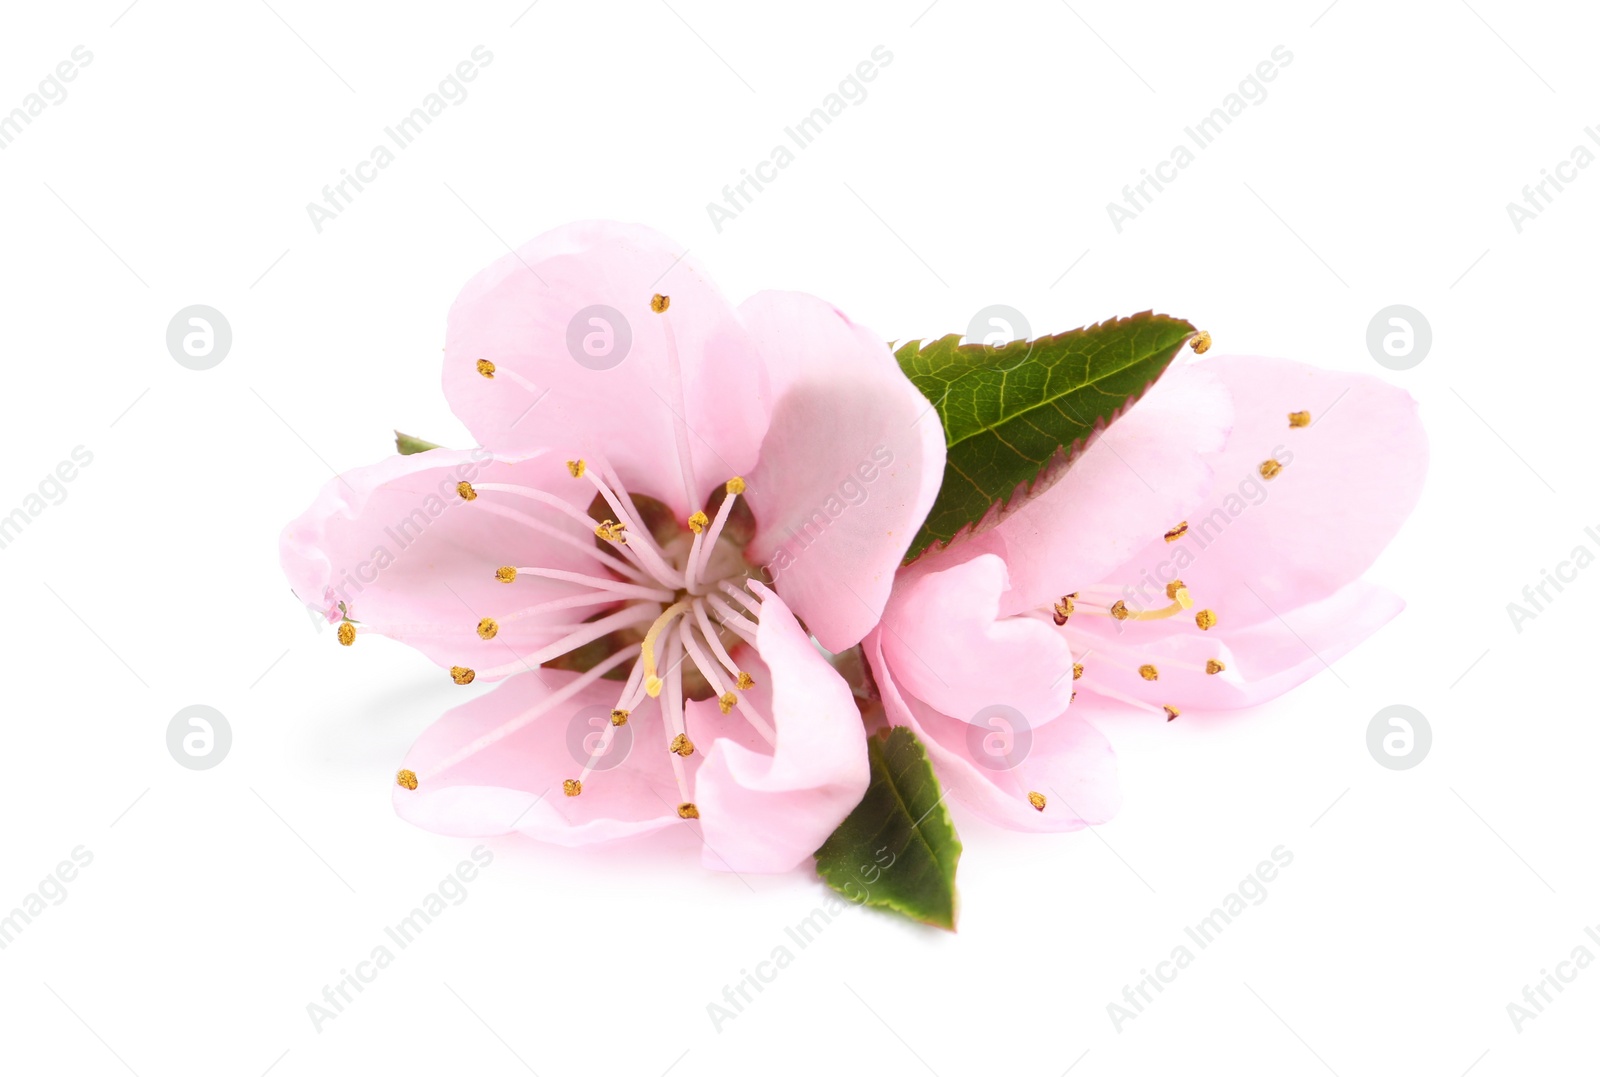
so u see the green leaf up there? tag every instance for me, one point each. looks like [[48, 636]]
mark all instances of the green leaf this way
[[1012, 412], [897, 849], [408, 445]]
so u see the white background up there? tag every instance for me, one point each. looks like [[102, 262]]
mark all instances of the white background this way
[[220, 902]]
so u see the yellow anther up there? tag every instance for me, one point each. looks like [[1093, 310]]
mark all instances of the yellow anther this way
[[1173, 588], [505, 573], [1176, 533], [1037, 800], [576, 468], [347, 633], [688, 811], [611, 531], [1172, 712], [461, 674], [486, 368], [682, 745], [572, 787], [1269, 468], [745, 682], [620, 717], [1213, 667], [1205, 619], [697, 522], [659, 303], [726, 701], [466, 491], [1064, 609], [406, 779], [1077, 671], [1299, 418], [488, 627], [1200, 342], [1119, 610], [1149, 672], [735, 485]]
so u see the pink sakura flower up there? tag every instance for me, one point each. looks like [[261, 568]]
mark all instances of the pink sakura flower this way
[[673, 496], [1205, 552]]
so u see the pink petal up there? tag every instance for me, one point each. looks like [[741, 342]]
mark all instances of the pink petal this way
[[515, 784], [411, 560], [1259, 547], [1137, 479], [1066, 760], [768, 808], [529, 314], [947, 646], [849, 467], [1263, 659]]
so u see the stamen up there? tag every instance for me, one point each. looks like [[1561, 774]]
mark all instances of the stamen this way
[[1205, 619], [1149, 672], [505, 573], [488, 628], [744, 598], [620, 717], [745, 682], [1174, 587], [688, 811], [1077, 671], [705, 541], [584, 633], [1172, 712], [575, 468], [406, 779], [572, 787], [583, 545], [682, 745], [733, 620], [1119, 610], [461, 674], [644, 552], [697, 522], [347, 633], [1177, 532], [714, 641], [659, 303], [486, 368], [1037, 800], [548, 703], [1299, 418], [599, 583], [1269, 469], [1064, 608], [726, 700], [1213, 667], [466, 491], [1200, 342]]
